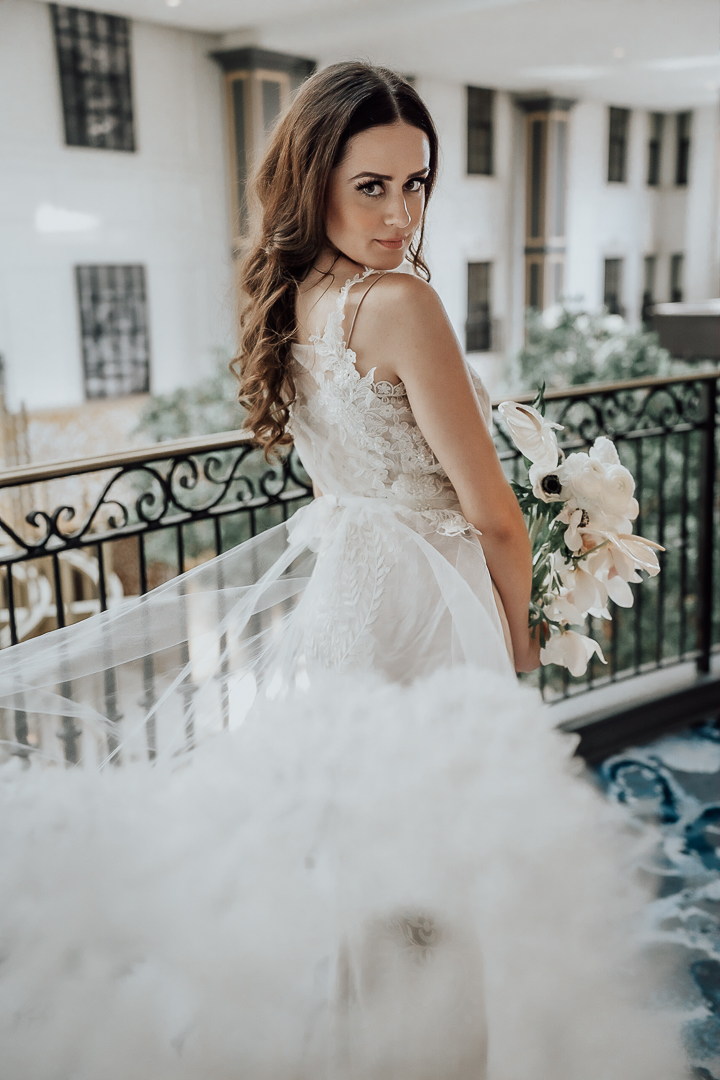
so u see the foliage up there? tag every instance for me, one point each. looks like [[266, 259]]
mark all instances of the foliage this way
[[567, 346], [204, 408]]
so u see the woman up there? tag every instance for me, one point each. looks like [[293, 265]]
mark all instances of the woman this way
[[396, 421], [384, 873]]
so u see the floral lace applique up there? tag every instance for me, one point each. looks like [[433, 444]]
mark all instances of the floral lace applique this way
[[373, 420]]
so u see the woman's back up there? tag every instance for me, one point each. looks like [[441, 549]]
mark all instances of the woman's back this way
[[355, 431]]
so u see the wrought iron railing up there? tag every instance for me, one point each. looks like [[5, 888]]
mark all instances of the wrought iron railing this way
[[143, 516], [665, 432]]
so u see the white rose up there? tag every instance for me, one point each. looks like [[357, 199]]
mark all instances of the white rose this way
[[571, 650], [615, 497], [532, 433], [584, 476], [603, 450]]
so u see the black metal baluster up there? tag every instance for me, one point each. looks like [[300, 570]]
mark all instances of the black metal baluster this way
[[706, 525], [188, 687], [59, 602], [682, 629], [142, 565], [638, 524], [180, 549], [148, 699], [615, 630], [590, 676], [70, 734], [662, 471], [224, 650], [217, 521], [102, 584], [21, 733], [12, 620]]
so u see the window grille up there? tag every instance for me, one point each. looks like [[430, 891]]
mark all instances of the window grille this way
[[657, 121], [93, 52], [648, 298], [677, 265], [682, 150], [617, 145], [114, 328], [478, 328], [480, 131], [612, 286]]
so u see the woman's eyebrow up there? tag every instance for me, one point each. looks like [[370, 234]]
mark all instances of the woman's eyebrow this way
[[383, 176]]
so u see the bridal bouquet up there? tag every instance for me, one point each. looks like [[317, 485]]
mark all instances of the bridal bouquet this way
[[579, 509]]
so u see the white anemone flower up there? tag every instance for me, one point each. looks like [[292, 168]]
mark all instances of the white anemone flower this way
[[532, 433], [546, 483], [571, 650]]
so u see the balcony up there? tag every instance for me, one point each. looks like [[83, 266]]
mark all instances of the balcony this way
[[107, 528]]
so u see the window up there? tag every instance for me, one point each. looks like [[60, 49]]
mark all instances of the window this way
[[648, 297], [617, 145], [682, 149], [676, 278], [480, 131], [612, 286], [113, 325], [656, 121], [478, 328], [93, 54]]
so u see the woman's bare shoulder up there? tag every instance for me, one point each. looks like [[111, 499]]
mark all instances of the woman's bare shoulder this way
[[399, 298]]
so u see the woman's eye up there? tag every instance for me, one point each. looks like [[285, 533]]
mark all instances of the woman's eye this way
[[373, 187], [415, 185]]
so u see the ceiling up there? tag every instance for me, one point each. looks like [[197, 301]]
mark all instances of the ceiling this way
[[660, 54]]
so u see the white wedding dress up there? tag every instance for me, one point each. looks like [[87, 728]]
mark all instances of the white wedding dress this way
[[360, 853]]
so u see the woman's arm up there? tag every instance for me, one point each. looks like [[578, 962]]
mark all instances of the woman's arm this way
[[413, 339]]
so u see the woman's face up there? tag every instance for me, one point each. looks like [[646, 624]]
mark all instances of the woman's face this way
[[376, 195]]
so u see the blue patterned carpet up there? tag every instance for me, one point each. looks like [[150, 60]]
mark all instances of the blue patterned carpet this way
[[676, 781]]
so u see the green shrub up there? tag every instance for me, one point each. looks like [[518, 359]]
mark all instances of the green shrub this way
[[566, 346]]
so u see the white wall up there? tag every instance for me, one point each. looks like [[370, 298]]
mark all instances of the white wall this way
[[165, 206], [470, 218], [632, 220], [478, 218]]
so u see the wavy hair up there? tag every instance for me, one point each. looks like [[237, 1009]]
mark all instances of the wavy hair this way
[[288, 193]]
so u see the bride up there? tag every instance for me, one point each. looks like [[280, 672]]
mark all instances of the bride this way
[[361, 852]]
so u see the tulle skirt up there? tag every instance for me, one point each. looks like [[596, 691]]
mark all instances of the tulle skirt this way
[[359, 853]]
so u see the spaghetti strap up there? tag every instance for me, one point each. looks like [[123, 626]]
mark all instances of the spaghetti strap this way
[[381, 273]]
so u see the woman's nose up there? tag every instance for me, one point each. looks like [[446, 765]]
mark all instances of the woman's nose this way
[[398, 213]]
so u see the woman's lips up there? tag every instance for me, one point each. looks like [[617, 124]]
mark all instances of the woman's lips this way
[[392, 244]]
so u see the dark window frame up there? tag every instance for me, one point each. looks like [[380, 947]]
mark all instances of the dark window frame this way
[[683, 129], [113, 311], [480, 125], [94, 56], [677, 269], [649, 286], [618, 139], [612, 285], [478, 326], [656, 123]]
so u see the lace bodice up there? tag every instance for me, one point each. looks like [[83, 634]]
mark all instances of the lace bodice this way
[[356, 436]]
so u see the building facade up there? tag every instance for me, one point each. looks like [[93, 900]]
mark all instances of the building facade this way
[[125, 149]]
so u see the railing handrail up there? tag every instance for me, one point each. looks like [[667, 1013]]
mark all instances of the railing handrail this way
[[228, 440], [55, 470]]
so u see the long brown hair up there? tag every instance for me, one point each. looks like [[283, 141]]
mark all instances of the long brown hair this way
[[289, 192]]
